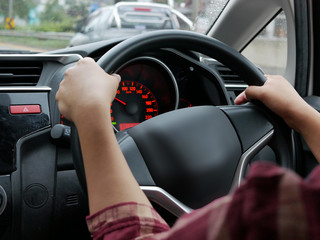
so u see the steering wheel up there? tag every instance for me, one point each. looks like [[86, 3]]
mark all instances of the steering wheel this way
[[186, 158]]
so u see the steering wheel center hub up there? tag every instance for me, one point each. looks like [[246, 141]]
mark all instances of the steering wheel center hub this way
[[184, 156]]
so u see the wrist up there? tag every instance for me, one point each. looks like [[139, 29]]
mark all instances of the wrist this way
[[302, 118], [95, 115]]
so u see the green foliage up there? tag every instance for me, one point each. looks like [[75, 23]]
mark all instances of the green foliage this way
[[64, 26], [40, 44], [77, 9], [56, 19], [20, 8], [2, 26], [53, 12]]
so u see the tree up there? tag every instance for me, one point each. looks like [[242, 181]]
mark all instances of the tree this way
[[78, 8], [20, 8], [53, 12], [62, 18]]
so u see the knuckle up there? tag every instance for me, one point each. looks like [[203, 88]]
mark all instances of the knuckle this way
[[86, 60], [68, 72]]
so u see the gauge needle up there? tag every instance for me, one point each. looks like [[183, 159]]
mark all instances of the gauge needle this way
[[122, 102]]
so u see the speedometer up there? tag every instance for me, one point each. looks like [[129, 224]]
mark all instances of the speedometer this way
[[133, 104]]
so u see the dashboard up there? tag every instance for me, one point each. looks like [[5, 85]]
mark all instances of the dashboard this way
[[40, 195]]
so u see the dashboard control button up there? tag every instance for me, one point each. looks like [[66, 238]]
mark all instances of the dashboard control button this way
[[25, 109], [61, 134]]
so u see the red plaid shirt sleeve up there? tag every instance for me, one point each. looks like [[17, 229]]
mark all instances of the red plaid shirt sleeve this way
[[272, 203], [126, 221]]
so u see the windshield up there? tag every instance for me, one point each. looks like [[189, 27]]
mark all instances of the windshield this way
[[44, 25]]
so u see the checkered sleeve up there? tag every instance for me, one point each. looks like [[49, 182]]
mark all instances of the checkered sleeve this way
[[127, 220], [271, 203]]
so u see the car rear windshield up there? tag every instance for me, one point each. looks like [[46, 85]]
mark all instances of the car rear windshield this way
[[145, 17]]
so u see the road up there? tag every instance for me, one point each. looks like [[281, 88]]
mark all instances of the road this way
[[9, 46]]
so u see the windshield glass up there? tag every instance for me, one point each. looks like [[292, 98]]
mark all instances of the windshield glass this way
[[44, 25]]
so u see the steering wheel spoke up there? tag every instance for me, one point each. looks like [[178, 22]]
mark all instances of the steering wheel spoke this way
[[247, 156], [165, 200]]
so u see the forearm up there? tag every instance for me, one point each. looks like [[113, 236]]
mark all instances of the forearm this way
[[308, 125], [109, 179]]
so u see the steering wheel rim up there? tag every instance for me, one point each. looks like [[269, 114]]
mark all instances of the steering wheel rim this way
[[130, 48], [179, 39]]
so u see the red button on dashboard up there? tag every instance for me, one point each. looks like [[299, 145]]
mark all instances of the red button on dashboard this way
[[25, 109]]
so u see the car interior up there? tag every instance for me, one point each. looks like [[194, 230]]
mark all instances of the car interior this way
[[188, 147]]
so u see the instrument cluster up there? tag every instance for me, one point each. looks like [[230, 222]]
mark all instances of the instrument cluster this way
[[147, 89]]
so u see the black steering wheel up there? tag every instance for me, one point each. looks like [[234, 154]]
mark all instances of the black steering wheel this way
[[186, 158]]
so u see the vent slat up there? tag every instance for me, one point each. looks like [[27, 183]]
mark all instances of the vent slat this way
[[228, 75], [27, 76], [21, 67], [17, 84], [72, 200], [20, 73]]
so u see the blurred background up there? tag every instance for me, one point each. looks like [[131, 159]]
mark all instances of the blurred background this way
[[44, 25]]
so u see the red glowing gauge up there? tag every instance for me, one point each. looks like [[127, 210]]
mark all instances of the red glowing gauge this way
[[183, 103], [133, 104]]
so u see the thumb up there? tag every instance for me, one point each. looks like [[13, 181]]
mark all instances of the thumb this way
[[117, 76]]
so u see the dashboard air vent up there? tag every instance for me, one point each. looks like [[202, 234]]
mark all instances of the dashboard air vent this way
[[229, 76], [20, 73]]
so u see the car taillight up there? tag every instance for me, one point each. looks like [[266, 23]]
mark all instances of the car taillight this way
[[142, 9]]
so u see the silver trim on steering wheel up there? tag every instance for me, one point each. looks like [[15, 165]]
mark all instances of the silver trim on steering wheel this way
[[247, 156], [177, 208], [4, 200], [165, 200]]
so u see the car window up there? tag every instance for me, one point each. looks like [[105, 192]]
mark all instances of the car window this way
[[92, 22], [269, 49]]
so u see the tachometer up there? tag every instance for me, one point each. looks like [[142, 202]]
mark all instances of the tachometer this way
[[133, 104]]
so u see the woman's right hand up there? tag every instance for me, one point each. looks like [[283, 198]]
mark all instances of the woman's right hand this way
[[280, 97]]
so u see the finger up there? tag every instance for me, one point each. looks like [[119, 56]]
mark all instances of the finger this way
[[59, 90], [241, 98], [86, 60], [89, 59]]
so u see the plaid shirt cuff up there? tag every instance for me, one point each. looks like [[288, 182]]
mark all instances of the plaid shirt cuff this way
[[137, 220]]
